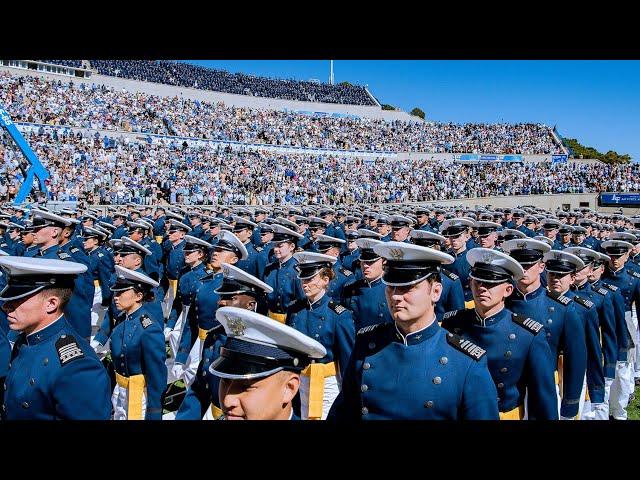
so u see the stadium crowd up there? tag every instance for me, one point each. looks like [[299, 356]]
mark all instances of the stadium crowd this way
[[33, 100]]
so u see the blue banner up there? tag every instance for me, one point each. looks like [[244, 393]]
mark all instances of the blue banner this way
[[559, 158], [488, 158], [511, 158], [622, 199]]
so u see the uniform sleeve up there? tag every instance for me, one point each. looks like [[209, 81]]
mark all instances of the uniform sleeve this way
[[105, 269], [344, 340], [176, 307], [346, 407], [540, 382], [154, 369], [103, 334], [609, 339], [622, 333], [82, 391], [197, 398], [479, 396], [574, 346]]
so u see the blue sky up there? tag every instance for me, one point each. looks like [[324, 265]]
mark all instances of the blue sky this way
[[597, 102]]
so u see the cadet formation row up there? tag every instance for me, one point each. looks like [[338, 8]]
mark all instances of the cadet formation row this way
[[286, 313]]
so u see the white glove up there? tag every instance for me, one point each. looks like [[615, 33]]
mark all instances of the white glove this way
[[177, 370], [97, 346], [167, 331], [567, 418]]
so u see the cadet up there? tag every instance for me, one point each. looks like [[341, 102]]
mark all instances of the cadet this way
[[564, 329], [487, 233], [400, 228], [158, 224], [411, 368], [520, 360], [152, 263], [53, 374], [260, 365], [101, 275], [601, 336], [331, 246], [281, 274], [243, 229], [175, 260], [456, 231], [328, 322], [564, 236], [137, 350], [365, 297], [119, 220], [350, 260], [551, 228]]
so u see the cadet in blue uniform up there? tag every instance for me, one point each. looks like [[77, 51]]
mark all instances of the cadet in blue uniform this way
[[259, 216], [243, 229], [281, 274], [352, 255], [564, 328], [152, 263], [137, 350], [551, 228], [158, 224], [103, 269], [411, 368], [564, 236], [331, 246], [487, 233], [238, 289], [400, 228], [174, 260], [260, 365], [331, 324], [119, 221], [456, 230], [519, 357], [422, 215], [365, 297], [54, 374], [601, 336]]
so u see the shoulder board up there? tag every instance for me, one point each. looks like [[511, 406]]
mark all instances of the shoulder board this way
[[370, 328], [449, 274], [68, 349], [527, 323], [74, 249], [145, 321], [611, 287], [601, 291], [346, 272], [259, 249], [563, 299], [634, 273], [583, 301], [63, 255], [465, 346], [451, 314], [336, 307]]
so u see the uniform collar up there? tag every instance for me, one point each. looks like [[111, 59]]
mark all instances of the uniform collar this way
[[285, 263], [47, 332], [581, 287], [319, 302], [374, 282], [135, 313], [531, 295], [44, 251], [416, 337], [492, 320]]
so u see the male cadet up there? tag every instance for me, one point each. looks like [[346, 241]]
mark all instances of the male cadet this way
[[631, 239], [48, 231], [528, 226], [243, 229], [628, 283], [159, 218], [281, 275], [331, 246], [422, 215], [564, 236], [265, 249], [577, 237], [138, 232], [383, 227], [195, 222], [174, 260], [602, 345], [350, 259], [365, 297], [26, 237], [436, 222], [259, 215], [551, 227], [119, 221], [331, 230], [317, 226], [487, 233], [53, 374], [519, 357], [240, 290], [182, 327], [104, 268], [564, 329], [411, 368], [400, 228], [456, 230], [302, 227]]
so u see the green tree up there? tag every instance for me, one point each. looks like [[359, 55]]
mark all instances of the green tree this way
[[345, 83], [417, 112], [590, 152], [386, 106]]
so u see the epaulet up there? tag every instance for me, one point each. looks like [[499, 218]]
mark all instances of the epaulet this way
[[347, 273], [68, 349], [74, 249], [583, 301], [370, 328], [634, 273], [208, 275], [563, 299], [527, 323], [601, 291], [63, 255], [145, 321], [449, 274], [451, 314], [465, 346], [336, 307], [611, 287], [259, 249]]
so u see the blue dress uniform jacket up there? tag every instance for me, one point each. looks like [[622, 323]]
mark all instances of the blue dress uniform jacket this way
[[119, 232], [31, 251], [628, 284], [158, 226], [624, 342], [256, 238], [153, 263], [462, 269], [427, 375], [350, 261], [343, 278], [519, 358], [187, 287], [55, 375], [452, 296], [204, 389], [368, 303], [78, 310], [250, 264], [5, 358], [175, 260], [565, 334], [285, 283], [527, 231], [138, 348], [326, 322], [104, 267], [197, 231]]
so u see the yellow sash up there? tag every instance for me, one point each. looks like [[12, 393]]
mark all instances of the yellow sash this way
[[469, 304], [279, 317], [96, 283], [216, 412], [135, 388], [515, 414], [317, 372], [202, 333], [174, 286]]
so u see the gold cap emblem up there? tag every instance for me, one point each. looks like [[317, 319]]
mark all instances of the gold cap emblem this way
[[236, 325], [396, 253]]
